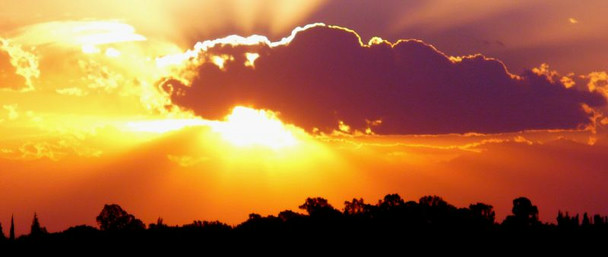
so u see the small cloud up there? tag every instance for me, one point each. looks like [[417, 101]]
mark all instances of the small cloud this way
[[6, 150], [251, 57], [16, 63], [567, 81], [12, 111], [186, 160], [55, 149], [573, 20], [521, 139], [39, 150], [72, 91], [598, 82], [343, 127]]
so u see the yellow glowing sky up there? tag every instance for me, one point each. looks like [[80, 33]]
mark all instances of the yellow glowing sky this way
[[83, 122]]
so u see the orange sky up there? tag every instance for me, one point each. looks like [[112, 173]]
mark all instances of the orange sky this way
[[102, 104]]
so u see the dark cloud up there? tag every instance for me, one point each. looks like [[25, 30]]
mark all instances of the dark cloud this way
[[325, 75]]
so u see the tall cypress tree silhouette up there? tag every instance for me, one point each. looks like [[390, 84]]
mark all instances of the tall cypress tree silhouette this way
[[12, 232]]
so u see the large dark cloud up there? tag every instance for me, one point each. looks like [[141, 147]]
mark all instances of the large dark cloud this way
[[325, 75]]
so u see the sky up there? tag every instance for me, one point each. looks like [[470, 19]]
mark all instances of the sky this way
[[211, 110]]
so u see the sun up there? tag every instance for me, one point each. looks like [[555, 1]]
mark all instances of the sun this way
[[246, 127], [243, 127]]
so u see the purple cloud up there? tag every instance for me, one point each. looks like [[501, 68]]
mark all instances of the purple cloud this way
[[325, 75]]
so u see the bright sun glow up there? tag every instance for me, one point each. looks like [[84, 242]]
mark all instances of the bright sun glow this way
[[244, 127], [250, 127]]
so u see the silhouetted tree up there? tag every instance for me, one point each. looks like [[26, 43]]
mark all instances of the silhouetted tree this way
[[561, 219], [208, 226], [586, 221], [114, 218], [432, 201], [523, 208], [565, 221], [524, 214], [483, 213], [356, 207], [437, 211], [319, 207], [195, 224], [426, 224], [254, 216], [12, 230], [598, 220], [36, 229], [258, 223], [81, 233], [158, 225], [289, 215], [390, 201]]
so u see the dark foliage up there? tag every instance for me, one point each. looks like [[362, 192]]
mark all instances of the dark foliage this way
[[12, 231], [525, 215], [389, 226], [113, 218], [37, 230]]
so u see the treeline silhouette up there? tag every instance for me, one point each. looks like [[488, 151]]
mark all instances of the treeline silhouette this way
[[392, 222]]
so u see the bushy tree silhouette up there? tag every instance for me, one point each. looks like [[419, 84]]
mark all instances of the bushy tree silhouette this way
[[391, 201], [437, 212], [483, 213], [433, 201], [356, 207], [524, 214], [114, 218], [289, 215], [523, 208], [319, 207]]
